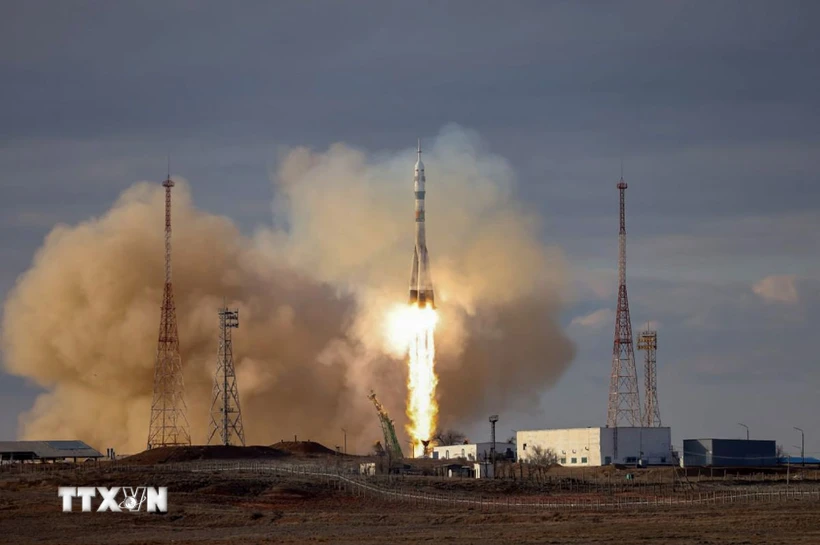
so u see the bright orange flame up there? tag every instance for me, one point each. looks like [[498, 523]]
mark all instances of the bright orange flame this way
[[411, 329]]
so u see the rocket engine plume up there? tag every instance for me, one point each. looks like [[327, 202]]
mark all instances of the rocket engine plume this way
[[422, 408]]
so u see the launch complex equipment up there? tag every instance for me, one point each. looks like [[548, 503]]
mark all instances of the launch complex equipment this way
[[391, 442], [168, 425], [226, 415], [648, 342]]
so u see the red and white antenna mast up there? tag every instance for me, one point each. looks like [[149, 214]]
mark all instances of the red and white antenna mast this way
[[169, 425], [624, 397]]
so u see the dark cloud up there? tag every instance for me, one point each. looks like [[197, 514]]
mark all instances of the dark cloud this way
[[713, 107]]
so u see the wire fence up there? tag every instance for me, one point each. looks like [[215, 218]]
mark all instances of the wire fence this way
[[345, 479]]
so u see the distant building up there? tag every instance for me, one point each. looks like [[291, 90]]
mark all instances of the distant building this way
[[46, 451], [577, 447], [729, 453], [367, 468], [483, 470], [473, 451]]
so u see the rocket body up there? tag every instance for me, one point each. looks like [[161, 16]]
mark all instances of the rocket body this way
[[421, 284]]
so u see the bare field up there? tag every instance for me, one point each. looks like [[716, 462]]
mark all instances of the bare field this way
[[234, 508]]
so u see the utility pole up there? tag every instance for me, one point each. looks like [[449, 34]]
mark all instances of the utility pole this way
[[493, 420], [802, 447], [345, 432], [747, 429]]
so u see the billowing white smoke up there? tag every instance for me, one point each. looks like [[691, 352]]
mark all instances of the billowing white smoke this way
[[313, 293]]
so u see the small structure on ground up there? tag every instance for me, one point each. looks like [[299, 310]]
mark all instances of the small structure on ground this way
[[729, 453], [473, 452], [46, 451]]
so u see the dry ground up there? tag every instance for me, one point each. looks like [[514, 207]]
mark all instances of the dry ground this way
[[230, 508]]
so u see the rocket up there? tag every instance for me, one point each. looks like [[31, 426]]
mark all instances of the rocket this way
[[421, 285]]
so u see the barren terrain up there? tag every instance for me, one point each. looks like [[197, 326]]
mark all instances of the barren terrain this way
[[232, 507]]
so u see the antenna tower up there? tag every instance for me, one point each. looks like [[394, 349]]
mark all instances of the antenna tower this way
[[624, 397], [169, 426], [648, 341], [226, 416]]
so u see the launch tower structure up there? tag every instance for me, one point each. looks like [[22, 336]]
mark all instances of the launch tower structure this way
[[391, 441], [168, 425], [226, 414], [624, 396], [648, 342]]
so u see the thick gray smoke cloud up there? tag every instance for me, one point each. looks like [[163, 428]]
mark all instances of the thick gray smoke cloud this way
[[313, 291]]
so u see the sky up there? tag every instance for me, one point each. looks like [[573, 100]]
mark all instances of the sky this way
[[711, 109]]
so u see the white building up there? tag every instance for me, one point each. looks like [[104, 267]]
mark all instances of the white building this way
[[472, 451], [599, 446], [483, 470]]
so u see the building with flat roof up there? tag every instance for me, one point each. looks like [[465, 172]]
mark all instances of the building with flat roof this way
[[575, 447], [729, 453], [473, 451]]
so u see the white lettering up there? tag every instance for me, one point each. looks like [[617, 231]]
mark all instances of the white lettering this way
[[86, 493], [109, 499], [68, 493], [157, 499]]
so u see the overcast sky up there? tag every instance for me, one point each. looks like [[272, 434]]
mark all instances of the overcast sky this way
[[713, 106]]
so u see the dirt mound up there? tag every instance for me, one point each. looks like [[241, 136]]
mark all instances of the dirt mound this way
[[164, 455], [303, 491], [302, 447]]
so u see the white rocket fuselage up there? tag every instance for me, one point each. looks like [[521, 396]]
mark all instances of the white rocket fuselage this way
[[421, 284]]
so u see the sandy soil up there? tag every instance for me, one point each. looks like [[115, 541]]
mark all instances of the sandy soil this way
[[225, 508]]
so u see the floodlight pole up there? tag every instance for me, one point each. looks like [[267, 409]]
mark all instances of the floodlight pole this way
[[493, 420], [802, 447]]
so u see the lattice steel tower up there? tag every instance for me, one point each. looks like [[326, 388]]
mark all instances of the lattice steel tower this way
[[226, 415], [648, 341], [624, 397], [169, 426]]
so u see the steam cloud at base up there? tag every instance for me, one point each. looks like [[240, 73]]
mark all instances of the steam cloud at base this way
[[314, 291]]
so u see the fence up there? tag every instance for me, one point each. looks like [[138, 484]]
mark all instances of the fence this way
[[344, 479]]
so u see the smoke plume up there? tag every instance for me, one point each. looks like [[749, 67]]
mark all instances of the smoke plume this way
[[313, 290]]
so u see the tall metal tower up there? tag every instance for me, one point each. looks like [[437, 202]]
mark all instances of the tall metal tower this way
[[169, 426], [226, 416], [624, 397], [648, 341]]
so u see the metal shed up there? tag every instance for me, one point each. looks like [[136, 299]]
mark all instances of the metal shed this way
[[729, 453], [46, 450]]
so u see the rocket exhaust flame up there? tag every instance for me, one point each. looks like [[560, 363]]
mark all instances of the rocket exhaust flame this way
[[412, 329], [421, 381]]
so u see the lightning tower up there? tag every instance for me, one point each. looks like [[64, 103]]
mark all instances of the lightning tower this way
[[648, 342], [169, 426], [624, 397], [226, 416]]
